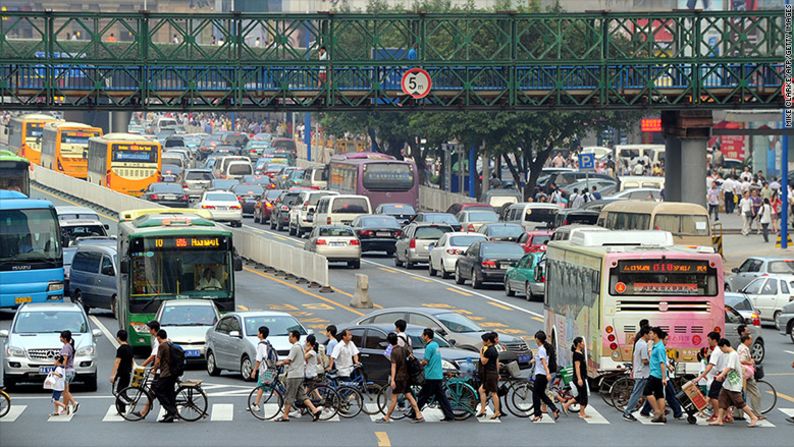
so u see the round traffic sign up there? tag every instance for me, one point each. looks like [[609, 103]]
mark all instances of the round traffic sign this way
[[416, 83]]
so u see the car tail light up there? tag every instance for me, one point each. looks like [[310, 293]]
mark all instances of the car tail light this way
[[235, 207], [184, 185], [268, 205], [453, 251], [354, 242], [611, 337], [208, 207], [365, 233], [489, 264], [470, 228], [240, 198], [412, 244], [284, 208], [185, 197], [398, 233], [321, 242], [328, 220], [756, 319], [154, 197]]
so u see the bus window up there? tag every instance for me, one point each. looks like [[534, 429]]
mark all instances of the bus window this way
[[388, 177], [682, 225]]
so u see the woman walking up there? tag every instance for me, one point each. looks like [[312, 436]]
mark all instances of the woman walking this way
[[67, 351], [542, 379], [579, 378], [765, 219], [777, 206], [489, 377], [399, 380], [746, 210]]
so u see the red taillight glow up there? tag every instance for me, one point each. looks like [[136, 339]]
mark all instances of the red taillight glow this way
[[354, 242], [366, 233], [328, 220], [398, 233], [454, 251], [268, 205], [412, 244], [284, 208], [235, 207], [489, 264], [756, 319], [611, 337], [471, 228], [208, 207], [321, 242], [154, 197]]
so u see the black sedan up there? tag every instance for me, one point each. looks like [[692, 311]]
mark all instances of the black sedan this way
[[248, 195], [502, 231], [403, 212], [377, 232], [439, 218], [487, 261], [167, 194]]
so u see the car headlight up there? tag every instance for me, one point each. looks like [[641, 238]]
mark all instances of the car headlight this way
[[13, 351], [445, 364], [140, 328], [85, 351], [55, 286]]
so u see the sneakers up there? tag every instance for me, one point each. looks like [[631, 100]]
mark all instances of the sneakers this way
[[255, 408], [629, 417]]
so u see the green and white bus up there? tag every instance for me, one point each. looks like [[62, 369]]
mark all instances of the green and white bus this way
[[169, 254], [14, 172]]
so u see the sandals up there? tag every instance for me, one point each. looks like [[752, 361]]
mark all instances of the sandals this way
[[52, 415], [496, 417], [316, 415], [556, 414], [281, 420]]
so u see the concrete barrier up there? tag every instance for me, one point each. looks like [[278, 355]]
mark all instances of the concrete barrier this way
[[249, 243], [361, 297], [434, 199]]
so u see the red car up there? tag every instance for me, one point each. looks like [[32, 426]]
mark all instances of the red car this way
[[264, 206], [455, 208], [535, 240]]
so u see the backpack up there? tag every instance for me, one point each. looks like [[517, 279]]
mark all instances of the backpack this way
[[177, 359], [272, 355], [552, 358]]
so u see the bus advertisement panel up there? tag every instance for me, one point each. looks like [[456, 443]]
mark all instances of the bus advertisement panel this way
[[64, 147], [380, 177], [25, 134]]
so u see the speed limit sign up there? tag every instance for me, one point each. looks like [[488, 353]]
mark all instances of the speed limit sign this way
[[416, 83]]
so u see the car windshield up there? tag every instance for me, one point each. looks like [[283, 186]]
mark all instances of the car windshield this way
[[464, 241], [278, 325], [540, 239], [273, 194], [335, 231], [384, 221], [398, 209], [166, 187], [221, 197], [224, 184], [786, 267], [315, 197], [53, 322], [198, 175], [349, 205], [738, 302], [505, 230], [250, 190], [192, 315], [483, 216], [501, 250], [458, 323], [29, 236], [418, 343], [72, 232]]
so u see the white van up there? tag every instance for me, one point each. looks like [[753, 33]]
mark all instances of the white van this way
[[299, 215], [532, 214], [340, 210], [219, 169], [566, 232], [316, 178], [164, 123], [237, 169], [629, 154]]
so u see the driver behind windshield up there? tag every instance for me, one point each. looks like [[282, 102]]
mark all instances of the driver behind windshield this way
[[208, 281]]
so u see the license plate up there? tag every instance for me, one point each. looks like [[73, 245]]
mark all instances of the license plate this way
[[505, 265], [337, 244], [23, 299], [383, 234], [169, 197], [46, 369], [192, 353], [221, 208], [524, 358]]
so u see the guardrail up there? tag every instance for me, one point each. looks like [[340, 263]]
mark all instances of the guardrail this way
[[254, 247], [434, 199]]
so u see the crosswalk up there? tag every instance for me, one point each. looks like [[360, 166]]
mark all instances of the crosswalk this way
[[227, 412]]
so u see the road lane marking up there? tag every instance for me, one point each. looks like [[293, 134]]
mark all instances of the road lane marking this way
[[422, 279], [387, 270], [786, 411], [305, 292], [538, 319], [459, 292], [282, 307], [789, 352], [498, 305], [316, 306], [14, 412], [222, 412], [438, 305], [105, 331], [61, 418], [595, 416], [242, 307], [783, 396], [112, 415], [383, 439], [347, 294]]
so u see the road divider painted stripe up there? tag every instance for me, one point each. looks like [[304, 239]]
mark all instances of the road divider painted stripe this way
[[499, 305], [595, 416], [783, 396], [383, 439], [112, 415], [63, 417]]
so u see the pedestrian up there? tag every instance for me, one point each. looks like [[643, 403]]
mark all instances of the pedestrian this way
[[731, 392], [579, 379], [746, 211], [669, 389], [757, 202], [640, 370], [322, 76], [727, 194], [330, 343], [765, 219], [489, 378], [714, 366], [748, 372], [543, 371], [713, 199], [573, 200], [657, 377], [345, 355], [399, 379], [67, 352], [165, 385], [261, 366], [766, 191], [596, 195], [434, 375], [56, 381], [777, 207], [122, 366], [310, 350], [296, 370], [402, 338]]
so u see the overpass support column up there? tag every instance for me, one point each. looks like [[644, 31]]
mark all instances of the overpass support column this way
[[686, 134], [119, 121]]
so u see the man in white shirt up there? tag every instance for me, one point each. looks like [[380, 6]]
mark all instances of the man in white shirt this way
[[715, 365], [641, 370], [402, 337], [345, 355], [746, 175], [209, 282], [261, 363], [727, 193]]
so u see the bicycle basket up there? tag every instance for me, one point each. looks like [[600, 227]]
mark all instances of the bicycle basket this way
[[567, 375], [268, 377], [513, 369]]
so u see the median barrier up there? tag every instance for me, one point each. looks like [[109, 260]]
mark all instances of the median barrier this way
[[435, 199]]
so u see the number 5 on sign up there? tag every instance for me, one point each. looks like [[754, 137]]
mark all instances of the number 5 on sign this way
[[416, 83]]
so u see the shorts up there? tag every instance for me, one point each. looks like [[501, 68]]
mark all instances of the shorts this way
[[714, 389], [56, 395], [69, 378], [491, 382], [295, 391], [401, 386], [729, 399], [654, 387]]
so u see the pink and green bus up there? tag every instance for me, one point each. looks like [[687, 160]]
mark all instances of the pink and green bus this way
[[600, 284]]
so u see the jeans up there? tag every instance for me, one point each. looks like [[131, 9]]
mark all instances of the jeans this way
[[714, 211], [435, 388], [636, 393], [539, 394], [165, 390], [672, 401], [765, 231], [729, 205]]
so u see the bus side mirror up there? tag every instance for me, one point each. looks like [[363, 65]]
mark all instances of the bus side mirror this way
[[124, 266], [238, 264]]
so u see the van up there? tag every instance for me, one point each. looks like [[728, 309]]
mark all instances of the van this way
[[640, 181], [219, 168], [532, 215], [316, 178], [237, 169], [629, 154], [565, 232], [92, 280], [340, 210], [298, 215], [498, 197], [688, 222], [164, 124]]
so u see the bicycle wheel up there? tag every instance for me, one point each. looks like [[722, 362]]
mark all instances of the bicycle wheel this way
[[270, 403], [604, 386], [384, 399], [5, 403], [191, 403], [463, 399], [324, 398], [768, 396], [131, 402], [520, 399], [620, 392], [350, 401], [370, 396]]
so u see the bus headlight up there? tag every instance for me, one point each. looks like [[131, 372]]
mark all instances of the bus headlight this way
[[140, 328], [55, 286]]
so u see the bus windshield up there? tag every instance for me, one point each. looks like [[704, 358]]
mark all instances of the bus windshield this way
[[134, 153], [31, 237], [14, 177], [75, 143], [662, 277], [388, 177]]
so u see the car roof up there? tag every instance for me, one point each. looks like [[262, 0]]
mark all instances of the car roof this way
[[259, 313], [103, 248], [188, 302], [51, 307], [425, 310], [431, 224], [465, 233], [73, 210]]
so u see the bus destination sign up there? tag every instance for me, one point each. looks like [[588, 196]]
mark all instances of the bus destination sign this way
[[184, 243], [668, 266]]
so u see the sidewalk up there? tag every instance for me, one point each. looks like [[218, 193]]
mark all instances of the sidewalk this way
[[738, 248]]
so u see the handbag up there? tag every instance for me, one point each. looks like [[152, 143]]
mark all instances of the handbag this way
[[49, 382], [759, 372]]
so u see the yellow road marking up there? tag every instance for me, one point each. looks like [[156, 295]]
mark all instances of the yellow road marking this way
[[305, 292], [114, 219], [347, 294], [459, 292], [500, 306], [316, 306], [282, 307], [513, 331], [491, 324], [421, 279], [242, 307], [437, 305], [315, 320], [386, 270], [784, 396], [383, 439], [317, 326], [538, 319], [476, 318]]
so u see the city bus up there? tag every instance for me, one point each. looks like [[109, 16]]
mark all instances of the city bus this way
[[64, 147], [688, 222], [31, 258], [381, 177], [14, 172], [24, 135], [124, 162], [163, 254], [600, 284]]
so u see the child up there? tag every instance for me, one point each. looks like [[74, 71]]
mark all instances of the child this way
[[703, 360], [58, 385]]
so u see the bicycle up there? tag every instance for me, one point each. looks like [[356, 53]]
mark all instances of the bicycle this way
[[768, 396], [520, 392], [5, 402], [462, 396], [191, 400], [272, 402], [356, 394]]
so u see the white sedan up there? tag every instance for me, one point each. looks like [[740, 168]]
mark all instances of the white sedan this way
[[224, 207], [445, 252], [338, 243]]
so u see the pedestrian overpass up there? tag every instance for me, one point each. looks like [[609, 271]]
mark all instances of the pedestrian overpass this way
[[501, 61]]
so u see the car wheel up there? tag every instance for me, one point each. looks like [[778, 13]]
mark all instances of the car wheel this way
[[389, 252], [444, 274], [212, 368], [409, 265], [527, 291], [458, 277], [758, 352], [430, 270], [790, 330], [509, 291], [397, 262], [774, 319], [91, 383], [245, 368], [475, 282]]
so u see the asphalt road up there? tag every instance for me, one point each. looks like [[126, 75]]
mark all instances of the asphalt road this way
[[95, 424]]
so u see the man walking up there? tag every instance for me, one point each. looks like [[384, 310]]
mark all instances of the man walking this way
[[731, 392], [433, 386], [345, 355], [262, 354], [330, 333], [640, 370], [122, 366], [711, 371], [165, 385], [657, 378], [296, 370], [402, 338]]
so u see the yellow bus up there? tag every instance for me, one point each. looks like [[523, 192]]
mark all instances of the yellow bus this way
[[688, 222], [24, 135], [124, 162], [64, 147]]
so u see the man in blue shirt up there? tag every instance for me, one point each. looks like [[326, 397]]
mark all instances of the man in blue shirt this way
[[434, 375], [657, 380]]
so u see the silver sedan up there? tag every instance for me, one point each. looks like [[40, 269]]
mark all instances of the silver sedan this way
[[337, 243]]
